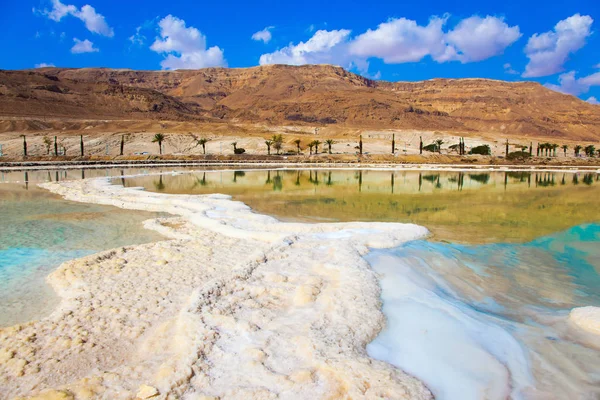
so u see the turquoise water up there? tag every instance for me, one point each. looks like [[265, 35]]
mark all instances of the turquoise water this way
[[490, 321], [39, 231]]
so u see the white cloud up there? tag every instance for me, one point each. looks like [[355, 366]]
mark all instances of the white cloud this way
[[137, 38], [264, 35], [548, 51], [400, 41], [509, 69], [93, 21], [83, 46], [569, 84], [185, 47], [44, 65], [478, 39], [593, 100], [325, 47]]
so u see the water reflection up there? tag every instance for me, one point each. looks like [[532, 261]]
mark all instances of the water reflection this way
[[459, 205]]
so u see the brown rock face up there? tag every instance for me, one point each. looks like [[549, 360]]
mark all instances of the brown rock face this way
[[315, 95]]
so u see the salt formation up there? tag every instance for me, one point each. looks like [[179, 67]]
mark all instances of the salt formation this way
[[586, 318], [235, 305]]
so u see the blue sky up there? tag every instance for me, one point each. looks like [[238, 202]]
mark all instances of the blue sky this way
[[552, 42]]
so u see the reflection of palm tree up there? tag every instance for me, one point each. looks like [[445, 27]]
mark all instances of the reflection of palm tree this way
[[201, 182], [315, 180], [268, 181], [329, 182], [575, 179], [160, 186], [588, 179], [392, 178], [277, 182], [238, 173], [298, 178]]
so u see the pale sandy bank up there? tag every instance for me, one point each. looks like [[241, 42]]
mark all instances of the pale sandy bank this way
[[236, 305]]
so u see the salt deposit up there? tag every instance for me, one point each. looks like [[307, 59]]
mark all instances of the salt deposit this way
[[235, 305]]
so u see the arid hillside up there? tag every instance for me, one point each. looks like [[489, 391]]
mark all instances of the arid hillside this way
[[313, 95]]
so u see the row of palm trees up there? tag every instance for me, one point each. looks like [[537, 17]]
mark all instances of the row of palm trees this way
[[549, 149], [276, 142]]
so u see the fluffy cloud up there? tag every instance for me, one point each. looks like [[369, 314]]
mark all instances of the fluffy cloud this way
[[264, 35], [548, 51], [83, 46], [185, 47], [593, 100], [44, 65], [569, 84], [403, 40], [93, 21], [325, 47], [477, 39]]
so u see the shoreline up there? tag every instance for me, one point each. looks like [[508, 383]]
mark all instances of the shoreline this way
[[306, 166], [302, 292]]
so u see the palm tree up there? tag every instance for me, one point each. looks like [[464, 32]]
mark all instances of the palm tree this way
[[202, 142], [565, 147], [269, 143], [577, 149], [277, 142], [297, 141], [48, 144], [310, 146], [317, 143], [234, 144], [590, 150], [554, 147], [330, 142], [24, 146], [158, 138], [439, 143]]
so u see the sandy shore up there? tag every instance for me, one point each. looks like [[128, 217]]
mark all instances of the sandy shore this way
[[234, 305]]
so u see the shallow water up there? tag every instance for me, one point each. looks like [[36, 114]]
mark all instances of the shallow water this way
[[39, 231], [492, 319]]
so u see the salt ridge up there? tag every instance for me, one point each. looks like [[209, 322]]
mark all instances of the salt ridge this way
[[234, 305]]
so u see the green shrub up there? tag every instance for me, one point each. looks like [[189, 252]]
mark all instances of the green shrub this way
[[239, 150], [484, 150], [431, 147]]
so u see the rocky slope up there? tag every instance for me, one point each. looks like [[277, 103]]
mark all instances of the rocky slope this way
[[315, 95]]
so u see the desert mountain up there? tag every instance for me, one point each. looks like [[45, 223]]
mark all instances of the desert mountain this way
[[315, 95]]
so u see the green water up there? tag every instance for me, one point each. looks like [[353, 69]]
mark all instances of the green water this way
[[471, 207]]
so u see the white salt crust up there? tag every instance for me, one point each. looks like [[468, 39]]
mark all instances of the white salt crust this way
[[236, 305]]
